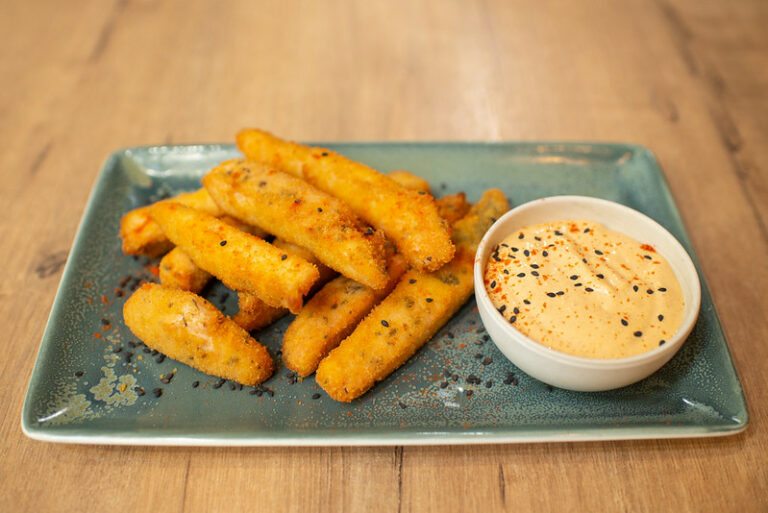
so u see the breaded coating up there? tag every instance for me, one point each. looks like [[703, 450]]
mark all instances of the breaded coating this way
[[254, 314], [178, 271], [240, 260], [330, 316], [408, 218], [420, 304], [295, 211], [409, 180], [142, 236], [187, 328], [453, 207]]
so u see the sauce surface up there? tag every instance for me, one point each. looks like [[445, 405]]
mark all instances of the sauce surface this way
[[582, 289]]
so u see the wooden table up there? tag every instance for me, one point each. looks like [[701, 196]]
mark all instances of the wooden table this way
[[686, 78]]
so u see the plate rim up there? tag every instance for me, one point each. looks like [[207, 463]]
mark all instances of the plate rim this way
[[374, 438]]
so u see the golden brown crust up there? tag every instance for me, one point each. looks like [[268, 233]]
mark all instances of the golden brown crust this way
[[301, 214], [418, 306], [330, 316], [141, 234], [409, 218], [409, 180], [240, 260], [453, 207], [178, 271], [187, 328], [254, 314]]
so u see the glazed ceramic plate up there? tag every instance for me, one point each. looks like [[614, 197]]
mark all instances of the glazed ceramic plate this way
[[94, 383]]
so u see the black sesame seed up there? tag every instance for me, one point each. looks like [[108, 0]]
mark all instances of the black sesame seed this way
[[624, 322], [486, 338], [648, 257], [493, 284], [455, 377], [385, 324], [506, 271], [589, 289], [495, 256], [488, 384], [469, 393], [527, 253], [429, 300], [157, 391], [526, 302], [297, 201], [520, 275], [232, 386], [319, 209], [661, 317], [515, 250], [649, 291], [586, 230], [558, 233], [444, 384], [105, 322], [478, 356], [315, 397], [662, 342], [598, 252], [560, 292], [324, 154], [662, 289], [146, 350], [520, 236], [600, 276], [283, 256], [584, 260], [513, 319], [117, 349], [167, 379], [578, 284], [139, 391], [549, 388], [545, 253], [516, 310], [195, 384], [79, 373], [502, 308], [369, 231], [638, 333], [534, 273], [223, 243], [219, 383], [160, 358], [504, 245], [411, 281], [535, 266], [574, 276], [635, 288], [551, 294], [537, 238]]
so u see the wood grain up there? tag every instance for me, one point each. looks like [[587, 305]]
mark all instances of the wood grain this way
[[687, 78]]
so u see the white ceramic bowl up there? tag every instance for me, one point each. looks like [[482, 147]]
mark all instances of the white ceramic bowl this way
[[575, 372]]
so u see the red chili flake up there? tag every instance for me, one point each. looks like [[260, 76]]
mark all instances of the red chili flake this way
[[648, 247], [154, 270]]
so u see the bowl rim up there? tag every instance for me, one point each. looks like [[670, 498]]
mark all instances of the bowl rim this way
[[691, 312]]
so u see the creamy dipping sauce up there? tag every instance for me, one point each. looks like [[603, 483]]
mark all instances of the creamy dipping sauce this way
[[582, 289]]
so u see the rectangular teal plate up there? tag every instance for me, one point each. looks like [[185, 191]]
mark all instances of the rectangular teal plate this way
[[83, 388]]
